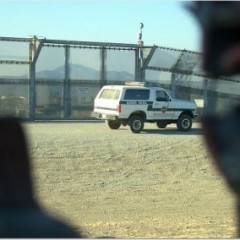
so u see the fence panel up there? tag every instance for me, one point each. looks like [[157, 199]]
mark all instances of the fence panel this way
[[56, 79]]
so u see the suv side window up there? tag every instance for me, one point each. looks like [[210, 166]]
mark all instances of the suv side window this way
[[110, 94], [161, 96], [137, 94]]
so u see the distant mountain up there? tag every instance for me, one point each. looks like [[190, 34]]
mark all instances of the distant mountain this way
[[123, 75], [82, 72]]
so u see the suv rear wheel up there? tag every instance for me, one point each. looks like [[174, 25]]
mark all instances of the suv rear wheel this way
[[184, 122], [136, 124], [113, 124]]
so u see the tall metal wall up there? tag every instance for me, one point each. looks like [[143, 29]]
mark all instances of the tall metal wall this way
[[42, 79], [54, 79], [181, 72]]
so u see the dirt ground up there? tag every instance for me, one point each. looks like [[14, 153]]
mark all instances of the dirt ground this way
[[161, 183]]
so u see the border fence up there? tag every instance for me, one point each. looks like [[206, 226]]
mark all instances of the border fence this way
[[43, 79]]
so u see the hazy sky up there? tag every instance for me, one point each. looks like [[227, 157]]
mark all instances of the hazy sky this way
[[166, 23]]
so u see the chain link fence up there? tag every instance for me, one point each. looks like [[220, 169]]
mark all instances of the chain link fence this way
[[44, 79]]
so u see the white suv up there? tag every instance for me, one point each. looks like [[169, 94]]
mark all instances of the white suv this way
[[135, 103]]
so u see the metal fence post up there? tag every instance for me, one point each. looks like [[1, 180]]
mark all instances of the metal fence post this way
[[32, 92], [173, 82], [137, 65], [32, 78], [66, 85], [103, 70], [35, 48], [205, 96]]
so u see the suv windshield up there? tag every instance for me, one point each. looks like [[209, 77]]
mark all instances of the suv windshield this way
[[137, 94]]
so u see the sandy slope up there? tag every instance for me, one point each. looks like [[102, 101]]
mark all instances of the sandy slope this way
[[158, 184]]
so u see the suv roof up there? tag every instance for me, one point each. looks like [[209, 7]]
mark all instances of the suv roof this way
[[134, 87]]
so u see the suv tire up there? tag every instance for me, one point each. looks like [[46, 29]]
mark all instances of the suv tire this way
[[161, 124], [113, 124], [136, 123], [184, 122]]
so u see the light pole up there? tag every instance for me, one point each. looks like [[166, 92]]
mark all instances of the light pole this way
[[140, 42], [140, 54]]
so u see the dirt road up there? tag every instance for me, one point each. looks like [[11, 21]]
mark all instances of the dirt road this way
[[157, 184]]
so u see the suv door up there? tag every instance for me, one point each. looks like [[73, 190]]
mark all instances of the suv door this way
[[161, 105]]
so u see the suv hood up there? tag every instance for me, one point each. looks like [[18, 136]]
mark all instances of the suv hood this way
[[185, 103]]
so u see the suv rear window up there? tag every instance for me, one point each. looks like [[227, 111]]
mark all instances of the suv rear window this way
[[137, 94], [110, 94]]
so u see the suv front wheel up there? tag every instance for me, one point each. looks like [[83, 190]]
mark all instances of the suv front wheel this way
[[136, 124], [184, 122]]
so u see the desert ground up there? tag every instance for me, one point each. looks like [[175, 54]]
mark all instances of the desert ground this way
[[160, 183]]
